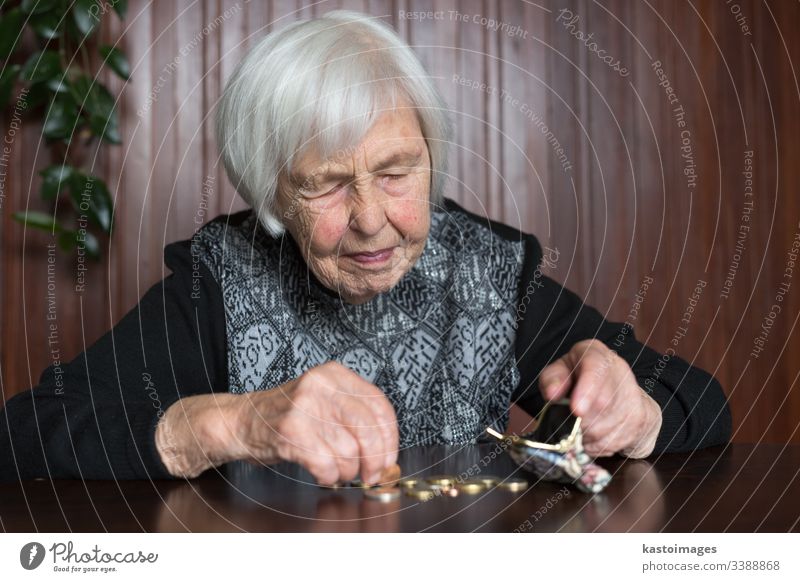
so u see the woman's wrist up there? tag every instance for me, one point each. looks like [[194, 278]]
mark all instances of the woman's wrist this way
[[199, 432]]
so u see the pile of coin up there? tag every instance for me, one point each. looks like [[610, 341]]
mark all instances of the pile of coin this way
[[426, 488], [391, 486]]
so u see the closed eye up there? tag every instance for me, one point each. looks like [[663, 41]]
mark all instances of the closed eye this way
[[316, 194], [334, 189]]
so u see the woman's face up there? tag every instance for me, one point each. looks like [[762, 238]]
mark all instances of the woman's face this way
[[361, 217]]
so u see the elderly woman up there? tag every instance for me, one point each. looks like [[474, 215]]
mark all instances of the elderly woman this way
[[353, 310]]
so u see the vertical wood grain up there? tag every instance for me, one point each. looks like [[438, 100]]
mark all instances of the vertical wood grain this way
[[621, 212]]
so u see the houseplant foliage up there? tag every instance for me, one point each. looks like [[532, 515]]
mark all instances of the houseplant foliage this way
[[55, 81]]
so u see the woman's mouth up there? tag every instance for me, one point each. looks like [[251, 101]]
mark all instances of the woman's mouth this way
[[372, 258]]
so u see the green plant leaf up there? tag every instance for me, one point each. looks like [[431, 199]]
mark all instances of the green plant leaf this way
[[106, 127], [58, 84], [40, 220], [120, 7], [7, 78], [67, 240], [80, 89], [61, 120], [37, 6], [55, 179], [90, 196], [86, 14], [41, 66], [47, 25], [10, 31], [37, 94], [103, 119], [101, 100], [91, 244], [97, 105], [116, 60]]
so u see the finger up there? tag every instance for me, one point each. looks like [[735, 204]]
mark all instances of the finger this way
[[621, 425], [385, 415], [391, 439], [602, 448], [345, 450], [387, 424], [362, 424], [318, 458], [596, 427], [555, 380], [591, 394], [583, 395], [606, 437]]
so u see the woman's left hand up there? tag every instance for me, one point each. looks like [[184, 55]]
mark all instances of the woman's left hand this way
[[617, 415]]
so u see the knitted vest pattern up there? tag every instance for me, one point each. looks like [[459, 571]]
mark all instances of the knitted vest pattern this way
[[440, 343]]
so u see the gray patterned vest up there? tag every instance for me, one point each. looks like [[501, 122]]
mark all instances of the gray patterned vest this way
[[440, 344]]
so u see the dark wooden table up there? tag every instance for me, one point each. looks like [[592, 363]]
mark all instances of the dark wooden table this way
[[739, 488]]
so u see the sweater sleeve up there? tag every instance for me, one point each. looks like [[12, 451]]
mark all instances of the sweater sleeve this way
[[95, 417], [552, 319]]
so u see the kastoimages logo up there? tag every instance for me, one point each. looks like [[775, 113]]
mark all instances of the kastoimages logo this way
[[31, 555]]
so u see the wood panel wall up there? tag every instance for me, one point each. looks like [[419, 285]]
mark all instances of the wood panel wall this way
[[616, 203]]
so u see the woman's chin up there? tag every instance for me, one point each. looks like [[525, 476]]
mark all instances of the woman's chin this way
[[358, 294]]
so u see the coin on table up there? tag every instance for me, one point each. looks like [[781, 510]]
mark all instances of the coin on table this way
[[441, 481], [489, 480], [471, 486], [421, 493], [407, 482], [390, 475], [513, 484], [383, 494]]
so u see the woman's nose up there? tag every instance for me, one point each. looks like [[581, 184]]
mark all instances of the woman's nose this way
[[368, 214]]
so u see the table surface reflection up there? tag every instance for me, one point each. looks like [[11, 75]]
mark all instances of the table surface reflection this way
[[738, 488]]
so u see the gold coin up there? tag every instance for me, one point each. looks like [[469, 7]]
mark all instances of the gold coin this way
[[488, 480], [390, 475], [513, 484], [471, 487], [382, 494], [423, 494], [408, 482], [444, 481]]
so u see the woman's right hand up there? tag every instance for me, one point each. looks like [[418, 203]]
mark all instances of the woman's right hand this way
[[330, 420]]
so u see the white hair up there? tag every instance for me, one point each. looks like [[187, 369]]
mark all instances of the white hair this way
[[320, 83]]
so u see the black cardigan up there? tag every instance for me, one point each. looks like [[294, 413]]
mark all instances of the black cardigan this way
[[102, 425]]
